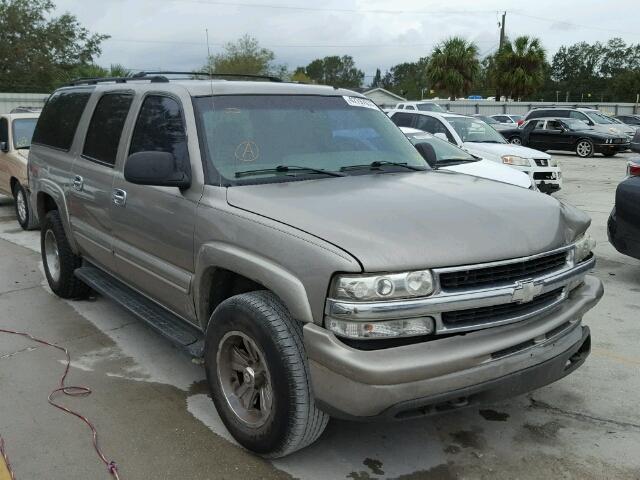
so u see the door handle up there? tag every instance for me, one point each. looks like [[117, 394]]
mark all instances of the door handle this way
[[78, 183], [119, 197]]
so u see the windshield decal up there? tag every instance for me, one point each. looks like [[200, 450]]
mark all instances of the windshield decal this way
[[360, 102], [247, 151]]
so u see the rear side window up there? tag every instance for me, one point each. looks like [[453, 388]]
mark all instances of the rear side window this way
[[578, 116], [59, 119], [105, 129], [160, 128], [4, 130], [402, 119]]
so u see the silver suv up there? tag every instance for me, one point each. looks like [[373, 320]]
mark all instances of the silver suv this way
[[293, 238]]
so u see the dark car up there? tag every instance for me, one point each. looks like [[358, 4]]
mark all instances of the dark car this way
[[566, 134], [633, 120], [624, 221]]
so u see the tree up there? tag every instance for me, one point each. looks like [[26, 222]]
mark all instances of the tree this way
[[336, 71], [518, 68], [93, 71], [37, 48], [300, 76], [407, 79], [454, 66], [245, 56], [377, 79]]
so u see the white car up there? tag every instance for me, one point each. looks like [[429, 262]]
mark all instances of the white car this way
[[507, 119], [451, 158], [479, 139], [421, 106]]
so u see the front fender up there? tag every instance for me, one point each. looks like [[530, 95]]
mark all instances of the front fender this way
[[43, 187], [255, 267]]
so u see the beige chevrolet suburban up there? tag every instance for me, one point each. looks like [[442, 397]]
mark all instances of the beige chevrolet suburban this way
[[293, 238]]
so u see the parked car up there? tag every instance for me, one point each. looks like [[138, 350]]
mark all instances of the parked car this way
[[446, 156], [492, 121], [294, 238], [509, 120], [480, 139], [635, 142], [624, 221], [631, 120], [16, 130], [566, 134], [421, 106], [620, 122], [592, 117]]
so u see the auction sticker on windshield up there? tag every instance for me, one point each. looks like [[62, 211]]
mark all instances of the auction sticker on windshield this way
[[360, 102]]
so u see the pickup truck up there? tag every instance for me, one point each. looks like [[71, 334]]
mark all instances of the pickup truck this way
[[293, 238]]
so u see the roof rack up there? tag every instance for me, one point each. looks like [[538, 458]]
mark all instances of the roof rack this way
[[249, 76], [160, 77]]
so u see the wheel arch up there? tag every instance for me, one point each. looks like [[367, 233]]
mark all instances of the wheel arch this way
[[224, 270], [51, 197]]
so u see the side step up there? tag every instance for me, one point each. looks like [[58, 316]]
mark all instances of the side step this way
[[172, 327]]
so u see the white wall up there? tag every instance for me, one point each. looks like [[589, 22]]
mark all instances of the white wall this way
[[9, 101]]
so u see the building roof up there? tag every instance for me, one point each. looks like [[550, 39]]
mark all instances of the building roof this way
[[387, 92]]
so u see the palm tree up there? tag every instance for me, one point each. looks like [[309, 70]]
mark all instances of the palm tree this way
[[519, 67], [454, 66]]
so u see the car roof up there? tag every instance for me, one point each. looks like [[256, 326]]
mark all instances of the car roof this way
[[13, 116], [430, 114], [199, 88]]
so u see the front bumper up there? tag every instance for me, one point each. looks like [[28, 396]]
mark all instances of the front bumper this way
[[456, 371], [611, 147], [621, 238]]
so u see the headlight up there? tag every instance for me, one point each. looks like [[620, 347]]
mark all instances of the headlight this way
[[583, 248], [553, 162], [516, 161], [382, 287]]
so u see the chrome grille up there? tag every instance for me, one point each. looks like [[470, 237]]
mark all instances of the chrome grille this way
[[496, 313], [503, 273]]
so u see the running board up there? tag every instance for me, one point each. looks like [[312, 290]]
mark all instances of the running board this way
[[169, 325]]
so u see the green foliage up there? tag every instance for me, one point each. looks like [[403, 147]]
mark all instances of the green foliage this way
[[407, 79], [377, 79], [245, 56], [334, 70], [38, 49], [454, 66], [518, 68], [300, 76]]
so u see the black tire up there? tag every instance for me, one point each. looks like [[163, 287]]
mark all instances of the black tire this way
[[293, 421], [515, 140], [63, 283], [584, 148], [23, 208]]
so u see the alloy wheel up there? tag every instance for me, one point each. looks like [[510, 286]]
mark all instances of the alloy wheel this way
[[584, 148], [515, 141], [21, 206], [245, 379], [52, 255]]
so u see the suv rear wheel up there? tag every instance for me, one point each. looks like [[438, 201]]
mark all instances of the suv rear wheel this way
[[59, 260], [258, 375]]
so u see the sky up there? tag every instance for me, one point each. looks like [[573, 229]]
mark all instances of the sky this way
[[170, 34]]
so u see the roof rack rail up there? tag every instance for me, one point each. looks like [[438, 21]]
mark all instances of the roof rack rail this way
[[210, 75], [96, 80]]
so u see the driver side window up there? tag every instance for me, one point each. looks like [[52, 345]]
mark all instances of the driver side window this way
[[554, 125], [579, 116]]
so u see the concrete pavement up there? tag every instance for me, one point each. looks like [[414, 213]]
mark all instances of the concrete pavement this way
[[155, 419]]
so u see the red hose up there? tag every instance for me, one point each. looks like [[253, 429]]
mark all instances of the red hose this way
[[70, 391]]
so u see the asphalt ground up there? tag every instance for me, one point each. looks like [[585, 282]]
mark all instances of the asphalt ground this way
[[155, 419]]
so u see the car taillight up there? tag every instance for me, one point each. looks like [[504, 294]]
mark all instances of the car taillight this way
[[633, 169], [520, 122]]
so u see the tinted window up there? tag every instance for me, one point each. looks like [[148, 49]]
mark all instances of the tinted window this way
[[106, 126], [4, 130], [159, 128], [402, 119], [59, 119], [410, 107], [23, 132], [432, 125], [578, 116]]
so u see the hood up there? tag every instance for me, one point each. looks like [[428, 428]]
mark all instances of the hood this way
[[499, 149], [492, 171], [404, 221]]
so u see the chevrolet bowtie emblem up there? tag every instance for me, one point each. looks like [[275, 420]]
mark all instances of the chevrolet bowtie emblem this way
[[525, 292]]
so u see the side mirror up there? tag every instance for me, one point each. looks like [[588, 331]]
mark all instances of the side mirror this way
[[427, 152], [159, 169], [4, 146], [441, 136]]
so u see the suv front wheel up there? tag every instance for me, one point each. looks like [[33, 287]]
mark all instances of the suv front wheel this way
[[258, 375], [23, 211]]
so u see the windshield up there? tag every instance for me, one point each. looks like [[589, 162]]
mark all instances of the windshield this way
[[445, 151], [489, 120], [430, 107], [23, 131], [262, 132], [475, 130], [575, 124], [599, 118]]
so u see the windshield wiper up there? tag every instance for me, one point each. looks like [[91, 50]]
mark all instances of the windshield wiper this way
[[377, 164], [449, 161], [286, 169]]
